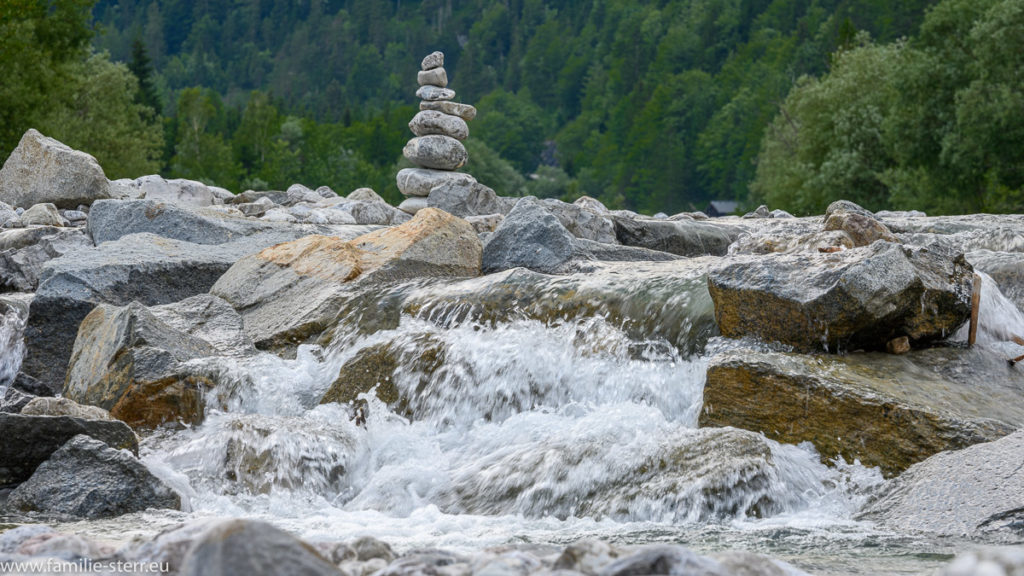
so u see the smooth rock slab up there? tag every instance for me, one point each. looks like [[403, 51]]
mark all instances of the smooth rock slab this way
[[420, 181], [253, 548], [429, 122], [884, 410], [440, 152], [464, 111], [434, 93], [41, 169], [974, 492], [847, 300], [88, 479], [32, 439]]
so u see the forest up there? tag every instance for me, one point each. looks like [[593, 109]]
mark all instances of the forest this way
[[651, 105]]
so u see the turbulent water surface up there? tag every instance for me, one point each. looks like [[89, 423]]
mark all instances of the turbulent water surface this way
[[535, 427]]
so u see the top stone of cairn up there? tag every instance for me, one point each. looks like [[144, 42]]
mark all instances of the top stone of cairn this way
[[433, 60]]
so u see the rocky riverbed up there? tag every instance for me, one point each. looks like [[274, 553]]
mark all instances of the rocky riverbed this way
[[308, 383]]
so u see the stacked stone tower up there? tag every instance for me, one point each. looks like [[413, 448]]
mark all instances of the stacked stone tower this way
[[440, 127]]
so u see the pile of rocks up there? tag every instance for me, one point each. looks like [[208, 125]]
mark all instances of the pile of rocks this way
[[440, 126]]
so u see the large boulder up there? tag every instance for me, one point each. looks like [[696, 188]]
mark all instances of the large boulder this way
[[41, 169], [683, 238], [30, 440], [582, 222], [467, 198], [975, 492], [884, 410], [129, 361], [529, 237], [86, 478], [847, 300], [141, 267], [254, 548], [290, 292], [180, 191], [23, 252]]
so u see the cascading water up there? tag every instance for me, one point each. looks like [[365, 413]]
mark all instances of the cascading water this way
[[12, 346], [532, 421]]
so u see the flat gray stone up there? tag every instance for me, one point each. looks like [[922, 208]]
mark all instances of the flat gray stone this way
[[439, 152], [420, 181], [434, 94], [464, 111], [427, 122]]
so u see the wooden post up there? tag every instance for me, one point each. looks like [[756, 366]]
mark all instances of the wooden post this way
[[972, 334]]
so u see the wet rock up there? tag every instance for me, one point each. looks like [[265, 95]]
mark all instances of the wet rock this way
[[267, 453], [587, 557], [761, 212], [420, 181], [667, 560], [375, 367], [679, 237], [23, 253], [975, 492], [30, 385], [429, 122], [991, 561], [64, 407], [289, 292], [87, 478], [529, 237], [740, 563], [369, 548], [464, 198], [847, 300], [432, 60], [130, 362], [439, 152], [434, 93], [40, 436], [781, 214], [862, 229], [42, 215], [254, 548], [141, 267], [693, 475], [432, 77], [429, 563], [888, 411], [464, 111], [899, 345], [41, 169]]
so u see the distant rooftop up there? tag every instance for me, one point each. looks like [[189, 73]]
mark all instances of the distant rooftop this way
[[721, 208]]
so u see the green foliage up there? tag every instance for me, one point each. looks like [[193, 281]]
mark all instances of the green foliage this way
[[97, 111], [938, 128], [490, 169]]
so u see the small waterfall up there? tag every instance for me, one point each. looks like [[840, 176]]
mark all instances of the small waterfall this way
[[999, 319], [12, 327]]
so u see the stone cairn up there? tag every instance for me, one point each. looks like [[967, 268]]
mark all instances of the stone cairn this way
[[440, 126]]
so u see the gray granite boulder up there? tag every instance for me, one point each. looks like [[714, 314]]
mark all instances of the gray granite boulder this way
[[24, 252], [37, 437], [463, 198], [975, 492], [41, 169], [86, 478]]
